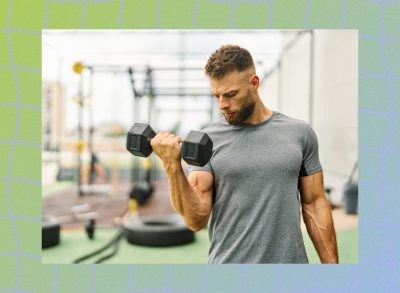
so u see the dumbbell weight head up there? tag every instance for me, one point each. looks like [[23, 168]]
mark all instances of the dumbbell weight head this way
[[50, 231], [197, 148], [141, 192], [90, 227], [138, 140]]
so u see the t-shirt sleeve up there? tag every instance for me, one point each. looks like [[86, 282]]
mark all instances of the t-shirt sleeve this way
[[310, 163], [207, 167]]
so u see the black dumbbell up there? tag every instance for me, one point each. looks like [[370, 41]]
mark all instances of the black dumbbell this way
[[196, 149], [51, 227]]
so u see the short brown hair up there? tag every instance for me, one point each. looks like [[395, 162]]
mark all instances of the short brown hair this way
[[227, 59]]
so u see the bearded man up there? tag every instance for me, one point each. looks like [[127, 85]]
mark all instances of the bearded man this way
[[262, 160]]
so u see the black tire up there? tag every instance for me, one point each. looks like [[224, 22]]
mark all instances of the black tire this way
[[157, 231], [50, 232]]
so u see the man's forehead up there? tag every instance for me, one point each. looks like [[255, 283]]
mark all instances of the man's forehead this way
[[231, 81], [216, 91], [223, 87]]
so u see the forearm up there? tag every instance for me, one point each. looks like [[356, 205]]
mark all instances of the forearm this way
[[184, 197], [318, 219]]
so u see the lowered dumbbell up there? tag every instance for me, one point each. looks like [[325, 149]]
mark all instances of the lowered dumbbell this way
[[196, 149], [51, 225]]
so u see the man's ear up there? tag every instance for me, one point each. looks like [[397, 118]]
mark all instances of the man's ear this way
[[255, 81]]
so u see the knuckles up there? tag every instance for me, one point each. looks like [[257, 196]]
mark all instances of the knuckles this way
[[165, 138]]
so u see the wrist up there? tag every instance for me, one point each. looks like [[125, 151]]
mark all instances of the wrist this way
[[172, 166]]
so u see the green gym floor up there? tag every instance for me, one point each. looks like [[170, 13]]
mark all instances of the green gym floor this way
[[75, 244]]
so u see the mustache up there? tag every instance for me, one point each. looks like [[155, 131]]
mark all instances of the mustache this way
[[240, 115]]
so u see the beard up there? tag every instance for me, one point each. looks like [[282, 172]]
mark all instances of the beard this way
[[245, 112]]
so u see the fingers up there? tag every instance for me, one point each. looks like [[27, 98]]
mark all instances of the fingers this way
[[165, 138], [157, 139]]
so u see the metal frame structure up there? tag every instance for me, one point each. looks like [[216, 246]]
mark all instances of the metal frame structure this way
[[149, 90]]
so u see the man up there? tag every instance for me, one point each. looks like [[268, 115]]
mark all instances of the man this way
[[247, 193]]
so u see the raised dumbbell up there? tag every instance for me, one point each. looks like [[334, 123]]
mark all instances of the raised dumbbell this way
[[196, 149]]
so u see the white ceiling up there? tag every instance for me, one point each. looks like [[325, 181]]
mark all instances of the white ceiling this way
[[155, 47], [61, 48]]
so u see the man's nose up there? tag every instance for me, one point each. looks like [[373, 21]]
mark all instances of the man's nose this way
[[223, 103]]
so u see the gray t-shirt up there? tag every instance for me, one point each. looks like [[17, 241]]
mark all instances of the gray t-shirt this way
[[256, 210]]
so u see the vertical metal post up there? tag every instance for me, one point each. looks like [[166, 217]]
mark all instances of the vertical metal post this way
[[80, 133], [135, 117], [151, 96], [91, 127]]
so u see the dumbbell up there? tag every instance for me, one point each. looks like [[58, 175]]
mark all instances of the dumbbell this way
[[51, 225], [196, 149]]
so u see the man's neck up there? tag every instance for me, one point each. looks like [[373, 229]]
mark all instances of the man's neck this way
[[260, 114]]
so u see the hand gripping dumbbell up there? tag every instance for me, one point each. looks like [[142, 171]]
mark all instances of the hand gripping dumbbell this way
[[196, 149]]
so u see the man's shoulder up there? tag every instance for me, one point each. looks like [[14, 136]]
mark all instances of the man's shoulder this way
[[298, 129], [297, 124]]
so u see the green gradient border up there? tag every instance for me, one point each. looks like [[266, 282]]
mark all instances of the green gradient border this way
[[21, 22]]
